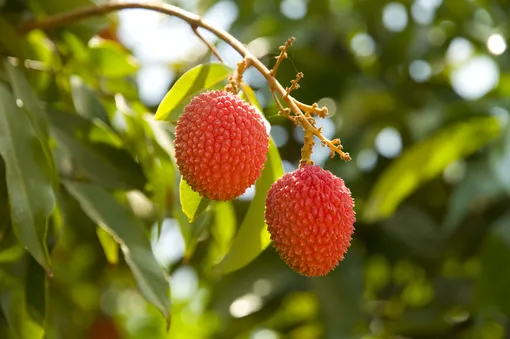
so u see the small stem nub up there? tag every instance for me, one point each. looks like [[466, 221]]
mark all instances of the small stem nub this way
[[283, 55], [236, 79]]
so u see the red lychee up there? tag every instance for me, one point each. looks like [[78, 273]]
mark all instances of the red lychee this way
[[220, 145], [310, 216]]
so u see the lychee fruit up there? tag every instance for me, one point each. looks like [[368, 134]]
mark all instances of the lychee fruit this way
[[220, 145], [310, 216]]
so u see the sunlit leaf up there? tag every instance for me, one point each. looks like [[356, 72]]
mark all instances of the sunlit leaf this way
[[111, 60], [29, 187], [193, 81], [223, 229], [425, 160], [117, 220], [193, 205], [252, 237], [249, 95], [109, 245]]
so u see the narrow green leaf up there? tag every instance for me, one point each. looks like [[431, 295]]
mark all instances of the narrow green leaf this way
[[223, 229], [193, 81], [425, 160], [110, 246], [192, 204], [35, 291], [500, 160], [31, 103], [250, 96], [252, 237], [85, 101], [469, 191], [13, 301], [24, 92], [117, 220], [421, 236], [101, 163], [191, 231], [29, 187], [491, 293], [12, 304]]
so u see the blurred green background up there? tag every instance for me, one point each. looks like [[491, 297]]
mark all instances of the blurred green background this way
[[417, 91]]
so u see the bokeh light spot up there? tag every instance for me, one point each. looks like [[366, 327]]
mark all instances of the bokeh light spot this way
[[366, 159], [245, 305], [475, 78], [363, 45], [496, 44], [420, 70], [293, 9], [395, 17], [388, 142]]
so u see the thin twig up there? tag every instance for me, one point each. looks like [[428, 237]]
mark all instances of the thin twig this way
[[195, 21], [211, 47]]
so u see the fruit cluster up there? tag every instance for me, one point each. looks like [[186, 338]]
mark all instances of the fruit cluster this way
[[221, 144]]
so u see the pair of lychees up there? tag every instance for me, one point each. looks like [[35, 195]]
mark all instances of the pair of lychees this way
[[220, 146]]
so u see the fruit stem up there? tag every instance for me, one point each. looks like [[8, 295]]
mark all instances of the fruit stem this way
[[195, 21], [306, 150]]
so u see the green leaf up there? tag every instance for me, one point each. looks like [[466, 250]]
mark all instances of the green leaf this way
[[223, 229], [425, 160], [13, 301], [85, 101], [349, 277], [421, 236], [252, 237], [193, 81], [192, 204], [35, 291], [24, 92], [117, 220], [469, 192], [500, 160], [31, 103], [101, 163], [29, 187], [11, 41], [85, 28], [191, 231], [109, 59], [109, 245], [491, 291]]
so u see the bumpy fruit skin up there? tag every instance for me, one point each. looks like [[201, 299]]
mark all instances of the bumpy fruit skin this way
[[310, 216], [220, 145]]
